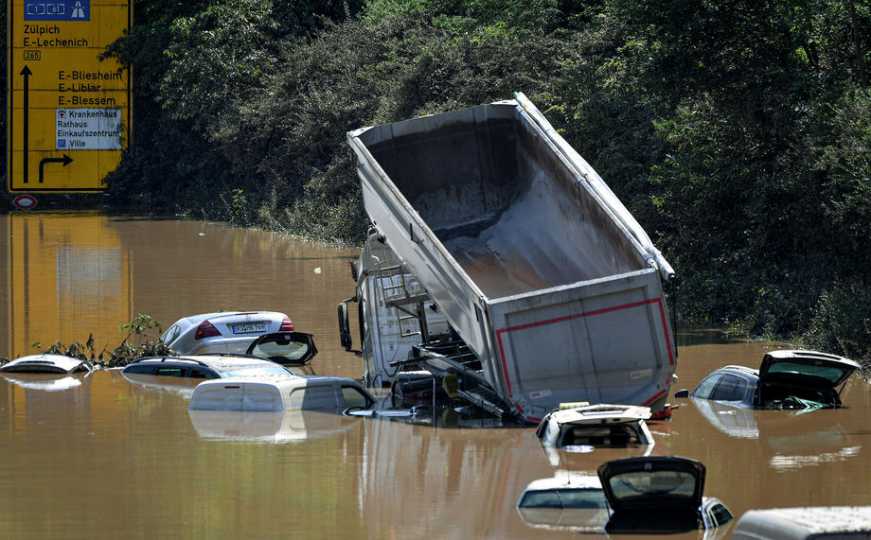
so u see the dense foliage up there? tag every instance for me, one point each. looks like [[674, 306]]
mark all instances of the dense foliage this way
[[738, 133]]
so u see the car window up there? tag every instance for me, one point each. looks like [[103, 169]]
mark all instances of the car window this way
[[730, 388], [540, 499], [318, 398], [583, 498], [829, 372], [565, 498], [284, 347], [598, 435], [169, 371], [353, 397], [707, 386], [171, 333], [652, 483], [721, 514], [201, 373], [143, 369]]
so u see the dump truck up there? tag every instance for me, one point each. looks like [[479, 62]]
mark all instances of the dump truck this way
[[499, 262]]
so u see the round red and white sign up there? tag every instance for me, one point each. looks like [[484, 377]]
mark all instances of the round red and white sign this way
[[24, 202]]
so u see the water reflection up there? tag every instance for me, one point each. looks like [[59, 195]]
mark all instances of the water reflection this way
[[268, 427], [181, 386], [738, 422], [796, 438], [65, 276], [44, 382]]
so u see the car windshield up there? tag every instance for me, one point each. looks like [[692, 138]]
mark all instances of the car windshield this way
[[828, 371], [256, 371], [634, 484], [565, 498]]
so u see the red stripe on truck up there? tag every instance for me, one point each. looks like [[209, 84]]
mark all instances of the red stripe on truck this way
[[593, 313], [652, 399]]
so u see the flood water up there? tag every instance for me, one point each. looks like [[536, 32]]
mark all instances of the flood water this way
[[99, 457]]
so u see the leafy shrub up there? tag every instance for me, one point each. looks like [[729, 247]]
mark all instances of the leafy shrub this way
[[142, 339], [842, 321]]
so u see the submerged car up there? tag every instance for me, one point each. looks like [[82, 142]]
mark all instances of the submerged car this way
[[787, 379], [659, 494], [223, 332], [571, 501], [644, 495], [209, 367], [46, 363], [813, 523], [314, 393], [595, 425]]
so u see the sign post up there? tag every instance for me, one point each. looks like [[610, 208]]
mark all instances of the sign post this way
[[68, 112]]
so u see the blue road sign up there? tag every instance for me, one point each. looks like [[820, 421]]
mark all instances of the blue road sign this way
[[57, 10]]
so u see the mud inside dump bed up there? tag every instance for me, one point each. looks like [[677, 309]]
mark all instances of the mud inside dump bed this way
[[503, 204]]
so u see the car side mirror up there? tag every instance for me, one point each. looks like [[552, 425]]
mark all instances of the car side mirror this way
[[682, 394]]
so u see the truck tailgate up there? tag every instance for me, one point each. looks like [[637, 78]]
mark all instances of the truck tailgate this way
[[604, 341]]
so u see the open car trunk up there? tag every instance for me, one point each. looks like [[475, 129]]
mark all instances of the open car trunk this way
[[286, 348], [653, 494], [802, 379]]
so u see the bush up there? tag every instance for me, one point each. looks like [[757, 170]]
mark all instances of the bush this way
[[842, 322], [142, 339]]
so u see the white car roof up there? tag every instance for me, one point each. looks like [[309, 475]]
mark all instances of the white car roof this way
[[292, 382], [742, 369], [63, 362], [601, 414], [799, 523], [566, 480], [213, 361]]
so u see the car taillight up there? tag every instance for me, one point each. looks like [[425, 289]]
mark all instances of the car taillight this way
[[206, 329], [286, 325]]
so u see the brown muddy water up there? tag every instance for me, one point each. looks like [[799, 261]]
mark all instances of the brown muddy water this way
[[99, 457]]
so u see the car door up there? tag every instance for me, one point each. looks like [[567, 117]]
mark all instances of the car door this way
[[730, 388]]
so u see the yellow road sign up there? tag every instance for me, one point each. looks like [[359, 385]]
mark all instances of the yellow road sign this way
[[69, 113]]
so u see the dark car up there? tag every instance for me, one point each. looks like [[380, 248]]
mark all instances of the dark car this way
[[292, 350], [788, 379]]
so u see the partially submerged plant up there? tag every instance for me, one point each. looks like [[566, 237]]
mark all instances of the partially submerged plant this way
[[142, 339]]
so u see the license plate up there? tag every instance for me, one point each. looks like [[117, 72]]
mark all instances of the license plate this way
[[249, 327]]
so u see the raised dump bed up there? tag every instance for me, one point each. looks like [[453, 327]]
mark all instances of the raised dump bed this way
[[529, 256]]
